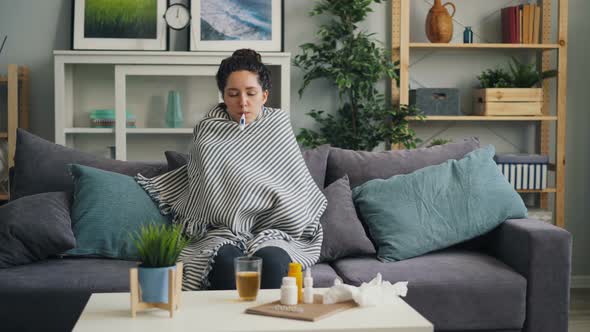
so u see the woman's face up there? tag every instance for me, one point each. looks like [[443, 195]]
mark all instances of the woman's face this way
[[244, 95]]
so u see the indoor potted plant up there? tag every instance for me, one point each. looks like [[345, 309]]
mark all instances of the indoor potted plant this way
[[159, 247], [354, 62], [513, 92]]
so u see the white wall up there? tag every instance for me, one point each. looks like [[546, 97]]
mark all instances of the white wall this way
[[35, 28]]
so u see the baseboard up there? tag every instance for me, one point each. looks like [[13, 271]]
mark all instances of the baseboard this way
[[580, 281]]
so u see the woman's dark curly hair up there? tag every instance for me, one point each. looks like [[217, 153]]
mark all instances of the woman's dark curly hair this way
[[243, 59]]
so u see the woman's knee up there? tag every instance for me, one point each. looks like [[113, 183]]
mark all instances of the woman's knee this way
[[226, 255], [275, 265], [222, 275]]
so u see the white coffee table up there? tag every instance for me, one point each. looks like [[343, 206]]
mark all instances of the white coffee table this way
[[221, 311]]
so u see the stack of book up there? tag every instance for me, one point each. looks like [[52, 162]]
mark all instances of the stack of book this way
[[521, 24], [105, 118]]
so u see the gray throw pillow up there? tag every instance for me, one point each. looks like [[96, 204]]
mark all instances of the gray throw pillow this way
[[315, 159], [362, 166], [35, 227], [344, 235], [41, 166], [175, 159]]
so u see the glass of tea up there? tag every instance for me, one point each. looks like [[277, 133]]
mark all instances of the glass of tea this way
[[248, 274]]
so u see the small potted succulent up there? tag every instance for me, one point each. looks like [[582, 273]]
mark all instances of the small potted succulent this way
[[159, 247], [513, 92]]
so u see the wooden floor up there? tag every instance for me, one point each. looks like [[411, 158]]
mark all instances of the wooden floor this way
[[580, 310]]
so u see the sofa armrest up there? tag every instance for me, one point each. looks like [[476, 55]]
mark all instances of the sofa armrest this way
[[542, 254]]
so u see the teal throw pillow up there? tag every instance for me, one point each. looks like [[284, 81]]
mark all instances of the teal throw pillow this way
[[107, 209], [437, 206]]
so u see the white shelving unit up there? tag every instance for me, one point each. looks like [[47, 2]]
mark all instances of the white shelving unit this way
[[138, 82]]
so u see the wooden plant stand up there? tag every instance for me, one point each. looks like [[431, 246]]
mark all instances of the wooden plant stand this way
[[174, 292]]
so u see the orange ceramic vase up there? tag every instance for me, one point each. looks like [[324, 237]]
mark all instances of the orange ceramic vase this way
[[439, 23]]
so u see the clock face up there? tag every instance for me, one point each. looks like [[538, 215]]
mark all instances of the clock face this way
[[177, 16]]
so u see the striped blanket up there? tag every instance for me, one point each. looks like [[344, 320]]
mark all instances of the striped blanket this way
[[249, 188]]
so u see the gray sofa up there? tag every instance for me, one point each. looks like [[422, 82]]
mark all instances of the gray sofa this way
[[514, 278]]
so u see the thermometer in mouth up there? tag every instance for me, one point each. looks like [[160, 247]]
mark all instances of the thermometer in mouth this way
[[243, 121]]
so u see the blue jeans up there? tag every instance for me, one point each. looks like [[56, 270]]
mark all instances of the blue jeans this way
[[275, 265]]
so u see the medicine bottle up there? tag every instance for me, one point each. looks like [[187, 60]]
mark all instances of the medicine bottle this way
[[308, 287], [295, 272], [289, 291]]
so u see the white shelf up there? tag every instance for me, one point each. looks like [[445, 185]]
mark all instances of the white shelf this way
[[138, 82], [89, 130], [162, 54], [183, 131]]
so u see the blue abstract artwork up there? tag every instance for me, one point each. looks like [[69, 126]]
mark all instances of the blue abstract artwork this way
[[236, 20]]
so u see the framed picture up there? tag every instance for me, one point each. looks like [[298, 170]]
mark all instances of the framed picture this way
[[119, 25], [227, 25]]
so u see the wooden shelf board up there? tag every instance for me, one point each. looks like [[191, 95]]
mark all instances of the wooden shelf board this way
[[3, 134], [485, 46], [546, 190], [487, 118]]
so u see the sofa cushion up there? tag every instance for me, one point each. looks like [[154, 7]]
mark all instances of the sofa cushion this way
[[55, 291], [35, 227], [344, 234], [362, 166], [41, 166], [87, 275], [108, 209], [453, 289], [315, 160], [323, 275], [437, 206]]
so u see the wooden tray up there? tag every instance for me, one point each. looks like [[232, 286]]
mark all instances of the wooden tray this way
[[308, 312]]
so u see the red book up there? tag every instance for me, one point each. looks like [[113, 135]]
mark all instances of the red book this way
[[504, 23], [511, 25], [515, 25]]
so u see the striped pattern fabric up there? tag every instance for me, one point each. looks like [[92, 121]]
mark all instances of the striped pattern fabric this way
[[249, 188], [525, 176]]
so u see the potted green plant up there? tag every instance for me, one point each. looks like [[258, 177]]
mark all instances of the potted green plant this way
[[159, 247], [439, 141], [513, 92], [354, 62]]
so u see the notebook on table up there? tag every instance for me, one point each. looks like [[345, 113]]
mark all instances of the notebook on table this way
[[309, 312]]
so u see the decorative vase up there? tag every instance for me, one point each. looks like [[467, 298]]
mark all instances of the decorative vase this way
[[439, 23], [468, 36], [174, 118], [153, 282]]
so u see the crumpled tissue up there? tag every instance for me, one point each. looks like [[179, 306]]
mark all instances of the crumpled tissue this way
[[375, 292]]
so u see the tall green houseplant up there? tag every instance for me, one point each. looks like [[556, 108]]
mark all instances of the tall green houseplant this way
[[354, 62]]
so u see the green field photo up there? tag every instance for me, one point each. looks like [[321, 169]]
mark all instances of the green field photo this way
[[121, 19]]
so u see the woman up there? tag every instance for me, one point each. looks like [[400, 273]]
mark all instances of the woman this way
[[245, 189]]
